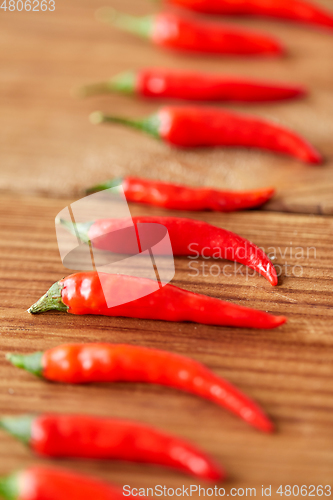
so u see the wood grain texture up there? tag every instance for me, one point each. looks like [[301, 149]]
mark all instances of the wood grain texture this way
[[288, 371], [48, 146]]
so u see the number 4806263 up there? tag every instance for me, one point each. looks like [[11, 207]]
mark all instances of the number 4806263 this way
[[28, 5]]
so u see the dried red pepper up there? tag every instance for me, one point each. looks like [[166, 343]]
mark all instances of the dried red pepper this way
[[193, 126], [85, 363], [188, 237], [180, 33], [83, 436], [193, 86], [45, 483], [179, 197], [294, 10], [82, 293]]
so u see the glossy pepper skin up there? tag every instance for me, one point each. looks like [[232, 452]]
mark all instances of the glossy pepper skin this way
[[194, 126], [294, 10], [84, 436], [188, 237], [193, 86], [85, 363], [179, 197], [82, 293], [172, 31], [46, 483]]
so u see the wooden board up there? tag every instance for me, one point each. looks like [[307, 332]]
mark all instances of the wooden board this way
[[48, 145], [288, 371]]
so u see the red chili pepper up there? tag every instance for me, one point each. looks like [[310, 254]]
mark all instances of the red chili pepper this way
[[42, 483], [82, 293], [192, 126], [178, 197], [295, 10], [83, 436], [188, 237], [193, 86], [175, 32], [85, 363]]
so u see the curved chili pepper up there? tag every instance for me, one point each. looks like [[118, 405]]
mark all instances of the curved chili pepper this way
[[85, 363], [45, 483], [193, 126], [188, 237], [179, 197], [83, 436], [294, 10], [175, 32], [192, 86], [82, 293]]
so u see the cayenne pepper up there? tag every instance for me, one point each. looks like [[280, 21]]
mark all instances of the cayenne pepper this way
[[194, 126], [172, 31], [86, 363], [193, 86], [294, 10], [179, 197], [82, 293], [45, 483], [83, 436], [188, 237]]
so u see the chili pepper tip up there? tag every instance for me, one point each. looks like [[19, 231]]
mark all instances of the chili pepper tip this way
[[18, 427], [279, 320], [30, 362]]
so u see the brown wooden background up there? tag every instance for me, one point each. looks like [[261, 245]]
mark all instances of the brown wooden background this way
[[49, 151]]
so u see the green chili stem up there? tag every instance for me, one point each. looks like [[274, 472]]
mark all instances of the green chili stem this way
[[150, 124], [9, 487], [142, 26], [29, 362], [19, 427], [112, 183], [52, 300], [124, 83]]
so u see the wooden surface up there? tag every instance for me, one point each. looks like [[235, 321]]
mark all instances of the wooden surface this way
[[288, 371], [49, 151], [48, 145]]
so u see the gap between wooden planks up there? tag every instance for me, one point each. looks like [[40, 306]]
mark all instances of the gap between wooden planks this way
[[288, 370]]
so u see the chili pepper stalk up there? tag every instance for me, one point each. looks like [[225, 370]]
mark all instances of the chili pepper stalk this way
[[122, 362], [9, 487], [180, 197], [38, 482], [193, 126], [124, 83], [80, 436], [192, 86], [172, 31]]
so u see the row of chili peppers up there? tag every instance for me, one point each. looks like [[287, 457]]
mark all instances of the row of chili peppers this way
[[194, 126], [89, 437], [82, 436], [79, 436]]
